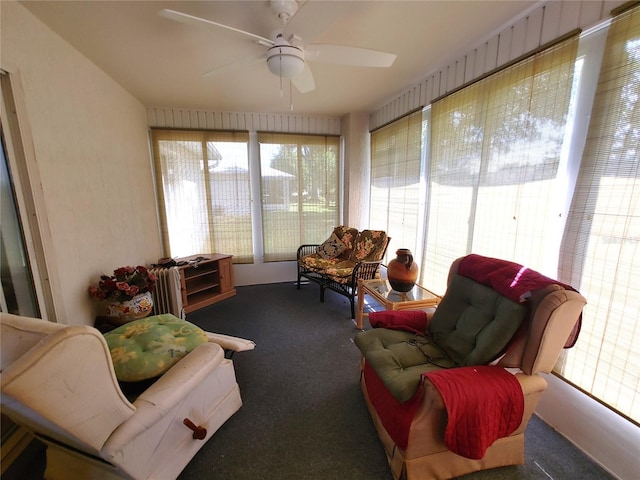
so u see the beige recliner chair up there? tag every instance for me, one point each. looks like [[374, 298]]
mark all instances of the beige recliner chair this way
[[59, 382], [481, 335]]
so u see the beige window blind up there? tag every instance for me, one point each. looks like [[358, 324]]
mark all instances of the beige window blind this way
[[203, 189], [396, 189], [495, 150], [601, 251], [299, 189]]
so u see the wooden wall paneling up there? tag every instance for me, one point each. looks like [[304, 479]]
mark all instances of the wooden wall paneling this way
[[609, 5], [480, 60], [442, 85], [435, 85], [551, 26], [570, 17], [534, 30], [518, 38], [290, 123], [461, 66], [179, 118], [193, 118], [201, 119], [403, 103], [504, 47], [491, 59], [411, 104], [210, 120], [591, 13], [185, 118], [248, 122], [470, 65], [171, 118], [152, 116], [397, 107], [182, 118], [426, 91], [224, 120], [415, 97]]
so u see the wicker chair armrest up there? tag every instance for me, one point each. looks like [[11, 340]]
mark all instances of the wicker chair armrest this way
[[365, 270], [306, 249]]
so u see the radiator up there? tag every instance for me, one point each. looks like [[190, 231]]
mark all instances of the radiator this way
[[167, 294]]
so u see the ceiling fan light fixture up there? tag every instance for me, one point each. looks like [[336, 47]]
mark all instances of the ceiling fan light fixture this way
[[285, 60]]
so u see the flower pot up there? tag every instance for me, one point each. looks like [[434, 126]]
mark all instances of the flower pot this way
[[402, 272], [138, 307]]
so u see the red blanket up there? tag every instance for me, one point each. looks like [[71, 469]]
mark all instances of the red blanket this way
[[484, 403], [511, 280], [396, 417], [409, 320]]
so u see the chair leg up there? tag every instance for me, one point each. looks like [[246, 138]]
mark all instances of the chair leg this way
[[322, 293]]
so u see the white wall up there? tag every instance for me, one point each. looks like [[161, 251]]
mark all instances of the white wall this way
[[88, 144], [357, 175]]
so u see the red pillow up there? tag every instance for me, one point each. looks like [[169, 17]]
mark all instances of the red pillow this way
[[410, 320]]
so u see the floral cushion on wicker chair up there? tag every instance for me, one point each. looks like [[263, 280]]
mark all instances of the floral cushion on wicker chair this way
[[347, 236], [369, 246], [331, 247], [338, 269]]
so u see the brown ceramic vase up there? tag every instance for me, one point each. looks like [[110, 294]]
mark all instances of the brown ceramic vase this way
[[402, 272]]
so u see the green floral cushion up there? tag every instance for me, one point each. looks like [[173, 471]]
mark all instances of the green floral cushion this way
[[331, 248], [148, 347]]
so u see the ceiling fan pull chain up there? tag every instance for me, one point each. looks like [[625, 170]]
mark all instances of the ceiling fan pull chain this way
[[291, 94], [281, 91]]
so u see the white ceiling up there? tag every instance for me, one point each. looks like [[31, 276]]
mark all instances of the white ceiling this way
[[161, 61]]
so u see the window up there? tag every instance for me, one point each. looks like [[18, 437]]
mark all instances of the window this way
[[300, 191], [204, 194], [601, 252], [495, 154], [397, 189]]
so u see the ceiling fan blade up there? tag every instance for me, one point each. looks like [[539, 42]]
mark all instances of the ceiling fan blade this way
[[314, 17], [233, 66], [304, 81], [353, 56], [191, 20]]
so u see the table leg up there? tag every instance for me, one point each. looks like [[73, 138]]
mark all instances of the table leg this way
[[359, 313]]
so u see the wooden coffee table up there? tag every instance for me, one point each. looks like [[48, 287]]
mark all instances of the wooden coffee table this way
[[418, 297]]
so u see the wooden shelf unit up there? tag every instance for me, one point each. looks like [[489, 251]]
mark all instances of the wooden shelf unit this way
[[205, 282]]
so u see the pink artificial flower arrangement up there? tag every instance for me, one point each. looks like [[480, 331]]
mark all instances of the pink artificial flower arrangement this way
[[124, 284]]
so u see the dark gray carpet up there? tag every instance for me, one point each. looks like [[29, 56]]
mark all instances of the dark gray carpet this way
[[304, 416]]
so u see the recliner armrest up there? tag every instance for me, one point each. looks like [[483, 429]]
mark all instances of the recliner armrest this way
[[170, 389], [235, 344]]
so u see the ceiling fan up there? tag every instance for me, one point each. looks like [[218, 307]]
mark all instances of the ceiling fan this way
[[287, 55]]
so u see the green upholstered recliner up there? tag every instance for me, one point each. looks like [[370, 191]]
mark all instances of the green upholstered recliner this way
[[477, 334]]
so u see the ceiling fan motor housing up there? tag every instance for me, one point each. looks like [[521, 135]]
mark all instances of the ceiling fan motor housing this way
[[285, 60]]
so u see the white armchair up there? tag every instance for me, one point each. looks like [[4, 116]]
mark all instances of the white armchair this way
[[59, 382]]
